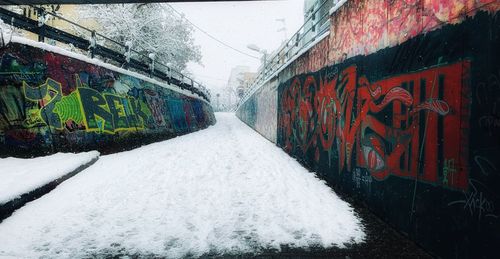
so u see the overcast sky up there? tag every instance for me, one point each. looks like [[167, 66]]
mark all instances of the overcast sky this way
[[237, 24]]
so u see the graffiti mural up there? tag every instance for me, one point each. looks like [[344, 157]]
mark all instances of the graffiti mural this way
[[84, 108], [406, 128], [398, 107], [393, 126], [51, 102], [12, 112]]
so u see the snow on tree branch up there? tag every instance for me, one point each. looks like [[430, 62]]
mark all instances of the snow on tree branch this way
[[147, 28]]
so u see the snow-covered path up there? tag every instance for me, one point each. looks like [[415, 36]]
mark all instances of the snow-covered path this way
[[225, 189]]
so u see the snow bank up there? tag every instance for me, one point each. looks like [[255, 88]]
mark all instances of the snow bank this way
[[19, 176], [225, 190]]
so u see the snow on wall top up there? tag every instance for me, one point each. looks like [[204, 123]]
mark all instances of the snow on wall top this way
[[64, 52]]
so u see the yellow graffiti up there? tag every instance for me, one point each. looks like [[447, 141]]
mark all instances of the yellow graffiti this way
[[47, 94], [46, 88], [100, 113], [33, 118], [122, 111]]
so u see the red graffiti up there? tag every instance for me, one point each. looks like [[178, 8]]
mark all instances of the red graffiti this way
[[157, 106], [406, 125], [326, 105], [188, 113]]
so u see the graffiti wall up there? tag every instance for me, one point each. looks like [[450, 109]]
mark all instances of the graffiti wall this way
[[259, 111], [404, 117], [50, 102]]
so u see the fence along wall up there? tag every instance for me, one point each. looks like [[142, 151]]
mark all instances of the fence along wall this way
[[398, 107], [51, 102]]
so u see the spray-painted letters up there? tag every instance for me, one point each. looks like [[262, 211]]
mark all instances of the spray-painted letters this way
[[394, 126]]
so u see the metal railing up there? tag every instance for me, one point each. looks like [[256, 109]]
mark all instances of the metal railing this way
[[107, 50], [316, 25]]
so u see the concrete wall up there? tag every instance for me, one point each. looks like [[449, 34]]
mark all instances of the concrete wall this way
[[260, 111], [51, 102], [399, 108]]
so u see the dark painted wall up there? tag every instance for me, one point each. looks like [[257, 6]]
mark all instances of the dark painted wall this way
[[50, 103], [404, 116]]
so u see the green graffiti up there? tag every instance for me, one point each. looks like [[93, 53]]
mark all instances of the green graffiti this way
[[96, 111], [101, 113], [145, 109], [124, 117], [141, 110], [47, 94], [69, 109], [11, 108], [448, 168], [33, 118]]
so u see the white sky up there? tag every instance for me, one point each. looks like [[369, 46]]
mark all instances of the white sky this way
[[237, 24]]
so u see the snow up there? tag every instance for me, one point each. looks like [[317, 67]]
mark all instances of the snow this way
[[223, 190], [337, 6], [153, 28], [19, 176]]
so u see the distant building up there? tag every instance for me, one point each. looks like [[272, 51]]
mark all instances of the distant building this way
[[69, 12], [239, 80], [245, 81]]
